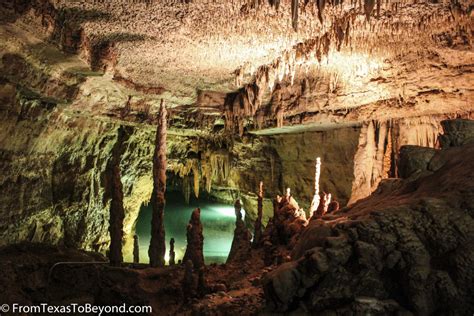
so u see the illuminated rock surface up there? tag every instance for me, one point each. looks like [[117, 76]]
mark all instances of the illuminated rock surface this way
[[255, 91]]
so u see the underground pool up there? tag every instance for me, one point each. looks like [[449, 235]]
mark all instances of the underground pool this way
[[218, 221]]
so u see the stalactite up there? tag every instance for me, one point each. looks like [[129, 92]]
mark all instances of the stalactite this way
[[368, 8], [157, 247], [196, 181], [275, 3], [186, 189], [294, 14], [321, 4], [257, 237]]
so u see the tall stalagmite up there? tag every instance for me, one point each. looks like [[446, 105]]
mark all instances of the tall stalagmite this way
[[172, 253], [257, 238], [115, 191], [316, 198], [157, 248], [195, 238], [241, 245], [136, 250]]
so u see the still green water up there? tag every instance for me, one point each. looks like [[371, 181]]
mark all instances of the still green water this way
[[218, 227]]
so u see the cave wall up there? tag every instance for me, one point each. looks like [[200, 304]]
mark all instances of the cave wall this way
[[298, 152], [52, 175], [377, 155], [54, 159], [53, 164]]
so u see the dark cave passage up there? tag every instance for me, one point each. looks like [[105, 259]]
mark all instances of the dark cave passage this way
[[218, 220]]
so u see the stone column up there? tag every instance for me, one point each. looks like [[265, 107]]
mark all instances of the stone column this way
[[195, 238], [257, 237], [157, 248], [114, 190], [241, 245], [136, 249], [172, 253]]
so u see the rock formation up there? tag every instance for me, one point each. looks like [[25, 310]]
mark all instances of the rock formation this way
[[406, 248], [189, 284], [172, 253], [115, 189], [136, 249], [241, 244], [202, 287], [256, 90], [157, 248], [316, 198], [288, 220], [195, 241], [257, 236]]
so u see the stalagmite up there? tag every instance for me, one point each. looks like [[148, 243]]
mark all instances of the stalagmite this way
[[241, 244], [189, 281], [202, 286], [323, 206], [257, 237], [287, 223], [172, 253], [195, 240], [136, 249], [316, 198], [333, 207], [115, 190], [157, 248]]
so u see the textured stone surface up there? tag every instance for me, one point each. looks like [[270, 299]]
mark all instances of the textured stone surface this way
[[457, 132], [157, 248], [241, 243], [195, 241], [414, 159], [70, 78], [404, 249]]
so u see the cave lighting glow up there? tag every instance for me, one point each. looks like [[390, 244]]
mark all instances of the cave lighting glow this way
[[218, 227], [352, 65]]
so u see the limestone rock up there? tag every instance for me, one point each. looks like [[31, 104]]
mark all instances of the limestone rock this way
[[404, 248], [195, 241], [457, 132], [414, 159], [241, 243]]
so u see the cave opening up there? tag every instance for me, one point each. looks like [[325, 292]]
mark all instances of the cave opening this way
[[218, 221]]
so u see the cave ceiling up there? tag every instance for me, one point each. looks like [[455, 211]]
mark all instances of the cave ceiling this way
[[274, 63]]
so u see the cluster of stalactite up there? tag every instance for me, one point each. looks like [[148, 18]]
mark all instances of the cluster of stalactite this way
[[349, 30], [247, 101], [214, 166]]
